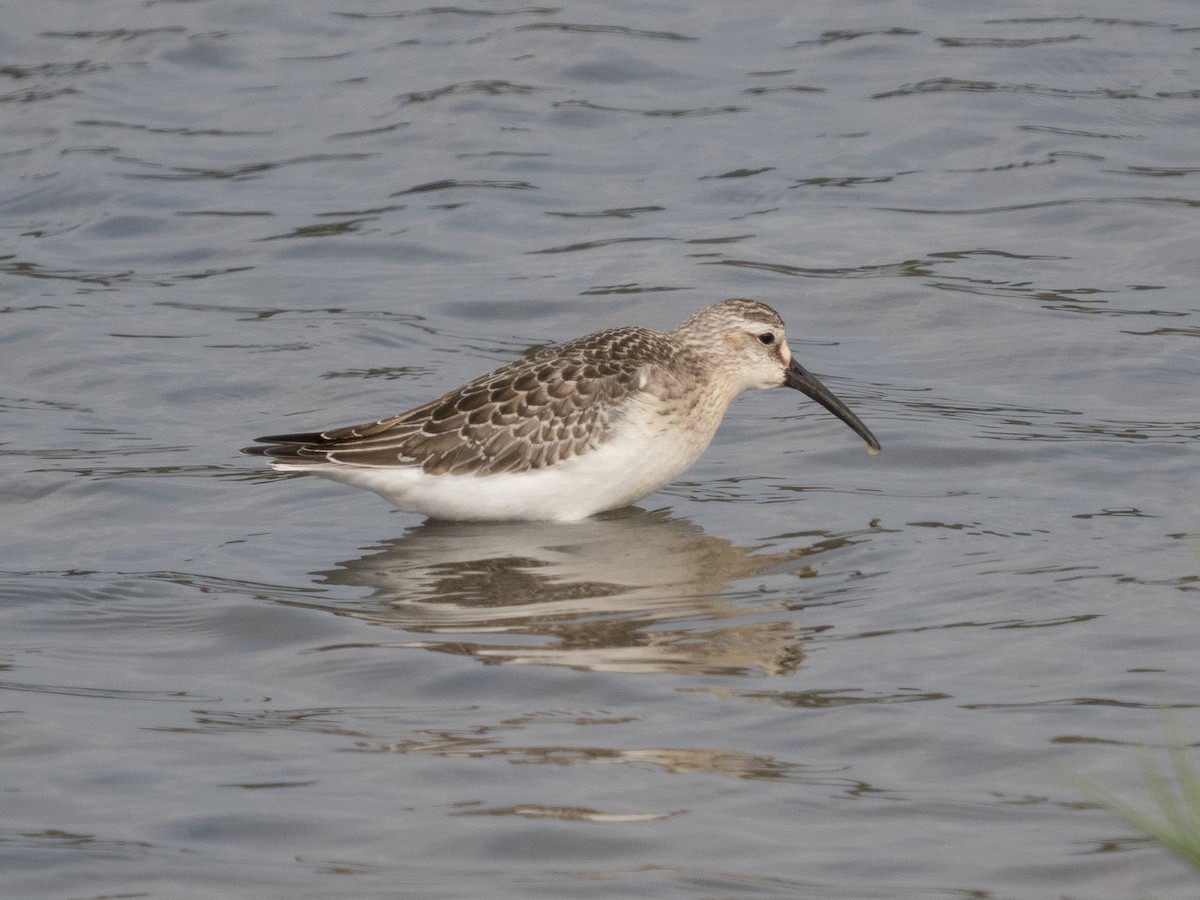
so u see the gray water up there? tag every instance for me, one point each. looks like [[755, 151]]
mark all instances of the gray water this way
[[799, 671]]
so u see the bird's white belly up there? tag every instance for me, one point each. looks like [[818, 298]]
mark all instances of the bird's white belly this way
[[643, 456]]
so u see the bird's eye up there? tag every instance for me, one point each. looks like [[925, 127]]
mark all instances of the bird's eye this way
[[766, 338]]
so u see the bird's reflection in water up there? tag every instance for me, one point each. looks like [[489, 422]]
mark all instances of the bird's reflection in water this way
[[629, 591]]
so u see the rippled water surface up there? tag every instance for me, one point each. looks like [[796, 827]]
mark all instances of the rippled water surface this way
[[799, 671]]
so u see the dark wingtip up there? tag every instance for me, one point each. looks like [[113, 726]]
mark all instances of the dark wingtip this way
[[303, 437], [281, 446]]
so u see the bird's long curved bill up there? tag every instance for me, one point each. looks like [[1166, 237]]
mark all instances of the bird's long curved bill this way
[[806, 382]]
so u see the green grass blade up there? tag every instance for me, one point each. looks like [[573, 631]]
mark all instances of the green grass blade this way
[[1177, 799]]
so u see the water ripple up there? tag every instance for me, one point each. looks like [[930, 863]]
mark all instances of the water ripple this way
[[619, 30], [938, 85]]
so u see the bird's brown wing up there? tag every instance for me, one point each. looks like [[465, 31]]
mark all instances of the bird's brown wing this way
[[527, 415]]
